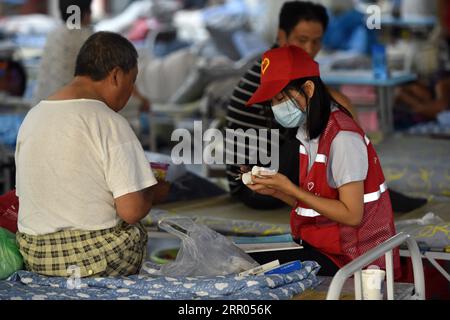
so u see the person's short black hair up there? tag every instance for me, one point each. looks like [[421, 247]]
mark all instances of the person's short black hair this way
[[84, 5], [102, 52], [294, 12]]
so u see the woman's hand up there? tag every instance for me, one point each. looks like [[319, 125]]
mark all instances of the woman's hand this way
[[277, 182], [276, 186], [261, 189]]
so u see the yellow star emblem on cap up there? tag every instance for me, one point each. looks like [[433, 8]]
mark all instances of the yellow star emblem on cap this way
[[265, 65]]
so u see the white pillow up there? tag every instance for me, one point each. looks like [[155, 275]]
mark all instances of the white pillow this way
[[160, 78]]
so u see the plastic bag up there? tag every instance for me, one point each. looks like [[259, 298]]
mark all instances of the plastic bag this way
[[203, 251], [174, 172], [430, 231], [10, 258], [427, 219]]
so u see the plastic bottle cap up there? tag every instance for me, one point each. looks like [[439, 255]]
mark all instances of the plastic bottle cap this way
[[247, 178], [261, 172]]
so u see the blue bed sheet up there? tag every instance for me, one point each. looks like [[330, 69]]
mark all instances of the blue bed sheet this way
[[29, 286]]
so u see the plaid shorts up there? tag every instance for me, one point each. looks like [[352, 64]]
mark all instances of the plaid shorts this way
[[119, 251]]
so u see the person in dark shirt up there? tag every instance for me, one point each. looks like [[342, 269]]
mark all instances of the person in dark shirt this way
[[425, 101], [301, 24]]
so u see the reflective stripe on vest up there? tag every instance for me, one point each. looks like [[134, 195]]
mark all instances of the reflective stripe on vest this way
[[307, 212], [367, 140], [375, 196], [303, 150], [370, 197], [321, 158]]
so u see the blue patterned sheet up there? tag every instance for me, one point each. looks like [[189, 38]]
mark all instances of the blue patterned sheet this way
[[440, 127], [416, 166], [430, 129], [29, 286]]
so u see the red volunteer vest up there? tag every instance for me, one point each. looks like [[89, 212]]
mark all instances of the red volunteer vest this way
[[339, 242]]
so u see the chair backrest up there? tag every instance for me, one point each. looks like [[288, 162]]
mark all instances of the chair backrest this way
[[355, 267]]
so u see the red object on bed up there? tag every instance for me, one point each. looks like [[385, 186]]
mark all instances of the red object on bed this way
[[9, 211], [139, 30]]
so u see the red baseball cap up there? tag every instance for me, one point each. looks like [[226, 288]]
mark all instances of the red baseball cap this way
[[279, 67]]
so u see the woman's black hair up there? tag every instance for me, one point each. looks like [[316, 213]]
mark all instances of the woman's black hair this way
[[318, 107]]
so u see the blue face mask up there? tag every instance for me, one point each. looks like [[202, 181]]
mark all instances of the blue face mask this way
[[288, 114]]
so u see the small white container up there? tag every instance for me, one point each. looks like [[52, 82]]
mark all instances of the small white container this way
[[247, 178], [261, 172], [373, 284]]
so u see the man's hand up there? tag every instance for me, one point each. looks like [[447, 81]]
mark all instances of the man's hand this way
[[133, 207], [161, 192]]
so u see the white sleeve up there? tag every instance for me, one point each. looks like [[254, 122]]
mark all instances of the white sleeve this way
[[127, 170], [348, 159]]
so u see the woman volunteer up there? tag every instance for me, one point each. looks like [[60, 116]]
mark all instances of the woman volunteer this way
[[342, 207]]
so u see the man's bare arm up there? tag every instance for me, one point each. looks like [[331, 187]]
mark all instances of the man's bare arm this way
[[133, 207]]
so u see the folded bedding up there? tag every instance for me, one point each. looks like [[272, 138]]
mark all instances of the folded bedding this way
[[29, 286]]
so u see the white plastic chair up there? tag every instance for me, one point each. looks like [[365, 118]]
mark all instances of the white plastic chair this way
[[355, 267]]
